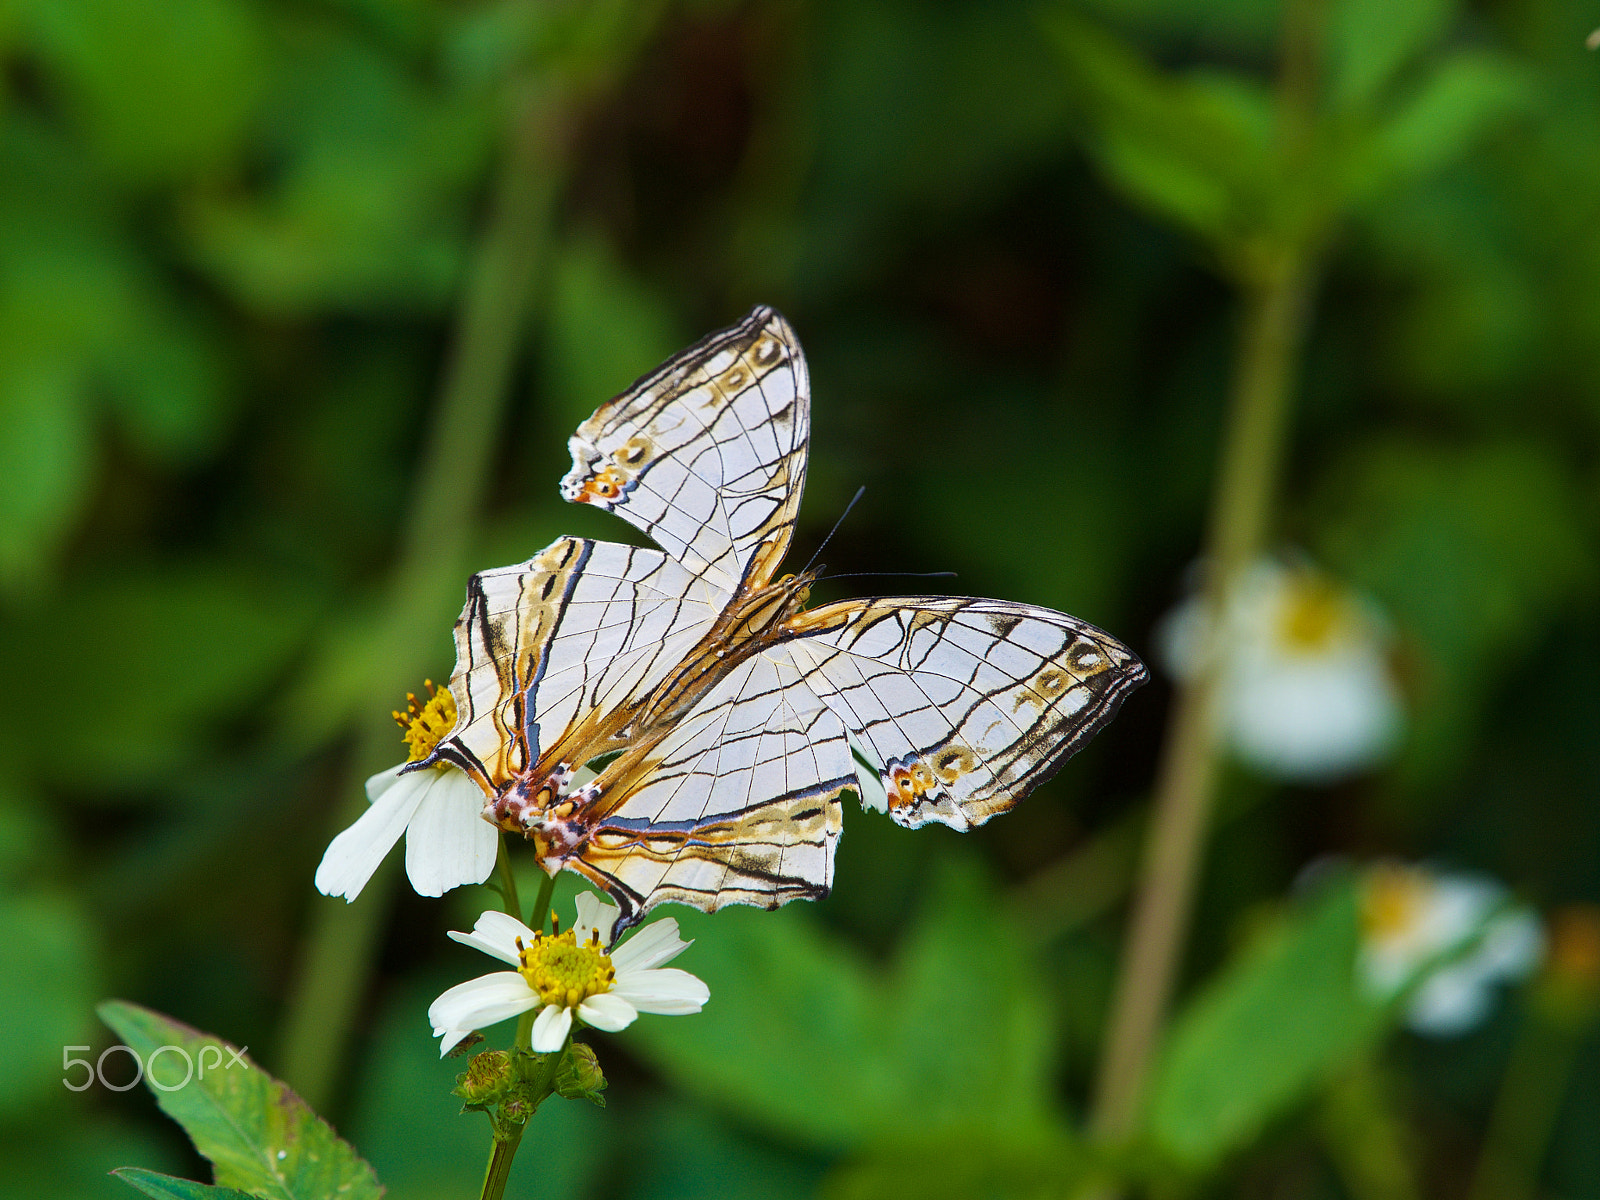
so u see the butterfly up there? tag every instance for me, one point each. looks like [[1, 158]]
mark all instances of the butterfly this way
[[723, 718]]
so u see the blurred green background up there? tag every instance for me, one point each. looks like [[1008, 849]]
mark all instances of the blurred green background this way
[[300, 299]]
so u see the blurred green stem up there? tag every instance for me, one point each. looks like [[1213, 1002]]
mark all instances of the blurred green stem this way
[[1364, 1137], [541, 903], [450, 483], [1529, 1102], [1275, 304], [508, 881]]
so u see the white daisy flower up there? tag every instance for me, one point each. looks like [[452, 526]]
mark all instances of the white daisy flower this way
[[1452, 938], [439, 809], [1307, 692], [567, 975]]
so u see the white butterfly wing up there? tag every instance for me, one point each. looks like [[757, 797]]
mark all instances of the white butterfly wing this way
[[583, 625], [707, 454], [963, 705], [739, 804]]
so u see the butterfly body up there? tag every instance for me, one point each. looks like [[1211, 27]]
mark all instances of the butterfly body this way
[[726, 717]]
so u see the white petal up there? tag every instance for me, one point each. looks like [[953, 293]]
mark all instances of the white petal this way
[[608, 1012], [1512, 945], [448, 843], [354, 855], [670, 991], [597, 915], [380, 783], [550, 1029], [1449, 1002], [479, 1002], [657, 943], [496, 934]]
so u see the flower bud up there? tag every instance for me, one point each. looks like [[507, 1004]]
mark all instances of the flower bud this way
[[580, 1077]]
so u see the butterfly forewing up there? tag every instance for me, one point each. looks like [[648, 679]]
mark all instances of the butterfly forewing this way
[[581, 626], [707, 454], [964, 705]]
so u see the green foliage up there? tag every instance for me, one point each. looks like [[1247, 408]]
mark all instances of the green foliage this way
[[48, 979], [259, 1136], [1474, 549], [167, 1187], [158, 93], [1272, 1025], [1255, 173], [413, 1131], [849, 1075], [235, 241]]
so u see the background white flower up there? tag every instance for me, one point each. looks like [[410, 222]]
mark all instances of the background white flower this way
[[439, 809], [1414, 923], [567, 975], [1307, 692]]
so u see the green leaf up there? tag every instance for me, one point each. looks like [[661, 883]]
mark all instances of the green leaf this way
[[160, 90], [170, 1187], [804, 1037], [48, 978], [258, 1134], [1278, 1020], [1435, 124], [1367, 42], [366, 210], [46, 459], [963, 953], [1196, 150]]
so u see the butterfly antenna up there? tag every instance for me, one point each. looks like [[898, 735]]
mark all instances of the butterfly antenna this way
[[860, 491], [892, 575]]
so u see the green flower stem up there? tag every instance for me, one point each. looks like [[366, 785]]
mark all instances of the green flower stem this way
[[541, 903], [1275, 271], [508, 1134], [1274, 319], [508, 881], [1364, 1136], [500, 1159], [1536, 1079], [451, 479]]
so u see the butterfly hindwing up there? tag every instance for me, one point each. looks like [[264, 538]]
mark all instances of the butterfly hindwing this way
[[739, 803], [707, 454]]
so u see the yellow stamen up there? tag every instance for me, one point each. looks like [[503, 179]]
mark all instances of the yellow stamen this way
[[563, 972], [1392, 900], [1313, 613], [425, 724]]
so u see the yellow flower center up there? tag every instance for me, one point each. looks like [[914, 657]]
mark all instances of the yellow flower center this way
[[426, 723], [1313, 612], [1392, 901], [562, 971]]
